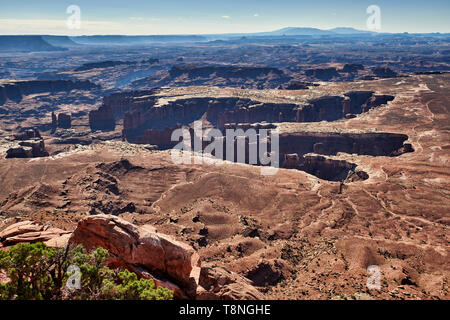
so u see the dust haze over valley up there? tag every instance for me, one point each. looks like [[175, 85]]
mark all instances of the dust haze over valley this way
[[362, 119]]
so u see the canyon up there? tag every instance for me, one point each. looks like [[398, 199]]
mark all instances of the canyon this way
[[362, 123]]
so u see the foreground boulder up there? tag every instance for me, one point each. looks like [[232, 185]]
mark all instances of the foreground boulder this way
[[217, 283], [29, 231], [138, 248], [27, 144], [141, 249]]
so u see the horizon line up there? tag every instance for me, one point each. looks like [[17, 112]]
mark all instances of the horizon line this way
[[361, 31]]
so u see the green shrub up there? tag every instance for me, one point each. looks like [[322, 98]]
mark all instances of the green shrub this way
[[40, 273]]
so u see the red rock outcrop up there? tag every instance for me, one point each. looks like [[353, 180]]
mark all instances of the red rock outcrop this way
[[384, 72], [54, 124], [141, 249], [29, 231], [138, 248]]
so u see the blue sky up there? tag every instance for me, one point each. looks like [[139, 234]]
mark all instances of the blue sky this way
[[211, 16]]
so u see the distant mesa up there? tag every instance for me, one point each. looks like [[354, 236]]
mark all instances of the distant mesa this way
[[15, 90], [135, 40], [384, 72], [322, 73], [27, 44], [221, 76], [352, 67], [101, 64]]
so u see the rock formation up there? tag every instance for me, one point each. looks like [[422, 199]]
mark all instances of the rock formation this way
[[64, 121], [324, 74], [141, 111], [223, 76], [217, 283], [374, 144], [102, 64], [352, 67], [102, 119], [330, 169], [143, 250], [28, 144], [296, 85], [384, 72], [54, 124], [15, 90], [140, 248]]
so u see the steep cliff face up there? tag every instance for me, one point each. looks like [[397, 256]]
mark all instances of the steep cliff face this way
[[10, 91], [116, 105], [163, 138], [16, 90], [324, 108], [102, 119], [259, 112], [122, 102], [334, 107], [143, 111], [160, 138], [376, 101], [355, 100], [373, 144], [54, 124], [295, 149]]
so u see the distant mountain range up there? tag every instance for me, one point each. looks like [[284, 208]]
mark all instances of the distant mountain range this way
[[30, 43], [296, 31]]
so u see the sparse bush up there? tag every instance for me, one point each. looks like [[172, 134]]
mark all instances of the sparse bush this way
[[40, 273]]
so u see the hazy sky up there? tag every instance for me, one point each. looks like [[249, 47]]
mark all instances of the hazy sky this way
[[211, 16]]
